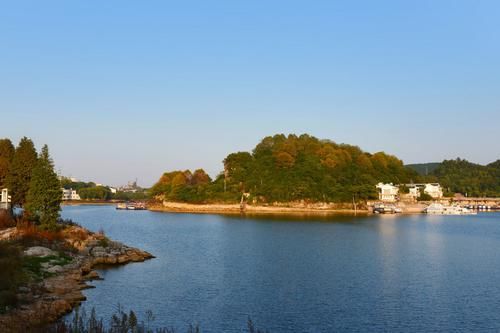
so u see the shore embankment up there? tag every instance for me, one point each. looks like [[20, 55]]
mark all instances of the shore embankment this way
[[280, 209], [296, 208], [59, 287]]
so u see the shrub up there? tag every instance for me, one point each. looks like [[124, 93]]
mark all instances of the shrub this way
[[6, 220], [11, 274], [424, 197], [31, 235]]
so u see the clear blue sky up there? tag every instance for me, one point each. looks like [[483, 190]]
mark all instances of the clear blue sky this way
[[125, 89]]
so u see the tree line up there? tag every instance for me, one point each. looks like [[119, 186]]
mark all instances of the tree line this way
[[32, 182], [462, 176], [289, 168]]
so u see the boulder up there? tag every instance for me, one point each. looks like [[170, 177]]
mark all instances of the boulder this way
[[55, 269], [39, 251], [98, 251], [92, 275]]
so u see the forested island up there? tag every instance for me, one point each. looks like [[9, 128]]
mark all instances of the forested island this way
[[302, 167]]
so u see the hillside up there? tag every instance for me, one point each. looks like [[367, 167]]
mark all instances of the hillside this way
[[462, 176], [289, 168]]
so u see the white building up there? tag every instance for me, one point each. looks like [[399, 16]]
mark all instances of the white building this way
[[434, 190], [4, 199], [414, 191], [387, 192], [70, 194]]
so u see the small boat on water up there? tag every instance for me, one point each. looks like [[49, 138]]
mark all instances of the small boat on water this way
[[439, 209], [386, 209], [131, 205]]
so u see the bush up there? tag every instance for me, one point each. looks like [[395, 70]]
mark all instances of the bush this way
[[6, 220], [11, 274], [32, 235], [424, 197]]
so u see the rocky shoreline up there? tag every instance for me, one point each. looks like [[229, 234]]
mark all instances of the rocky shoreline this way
[[43, 302]]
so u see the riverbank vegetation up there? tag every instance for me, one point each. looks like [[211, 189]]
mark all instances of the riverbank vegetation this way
[[93, 192], [122, 322]]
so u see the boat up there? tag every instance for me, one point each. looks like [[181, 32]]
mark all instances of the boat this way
[[381, 208], [121, 205], [131, 205], [439, 209]]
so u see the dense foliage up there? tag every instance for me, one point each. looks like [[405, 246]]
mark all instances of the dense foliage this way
[[19, 173], [95, 193], [44, 194], [6, 155], [290, 168], [475, 180], [67, 183], [184, 186]]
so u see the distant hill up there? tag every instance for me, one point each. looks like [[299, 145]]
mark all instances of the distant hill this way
[[424, 169]]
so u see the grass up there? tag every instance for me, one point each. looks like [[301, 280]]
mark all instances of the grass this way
[[34, 265]]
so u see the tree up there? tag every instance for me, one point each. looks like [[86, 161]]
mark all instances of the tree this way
[[43, 201], [21, 168], [95, 193], [6, 154]]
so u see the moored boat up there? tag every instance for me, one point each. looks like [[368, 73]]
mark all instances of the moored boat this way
[[121, 205], [439, 209], [381, 208], [131, 205]]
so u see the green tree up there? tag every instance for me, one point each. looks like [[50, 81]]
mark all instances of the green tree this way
[[95, 193], [21, 168], [6, 154], [43, 202]]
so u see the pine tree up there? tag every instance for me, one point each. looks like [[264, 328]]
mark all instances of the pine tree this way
[[6, 154], [43, 202], [19, 176]]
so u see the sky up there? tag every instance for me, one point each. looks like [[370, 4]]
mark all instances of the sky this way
[[121, 90]]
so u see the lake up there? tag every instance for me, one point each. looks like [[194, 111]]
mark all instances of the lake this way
[[413, 273]]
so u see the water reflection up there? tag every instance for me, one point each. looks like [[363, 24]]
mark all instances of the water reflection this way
[[312, 274]]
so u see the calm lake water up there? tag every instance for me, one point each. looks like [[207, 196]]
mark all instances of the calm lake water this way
[[365, 274]]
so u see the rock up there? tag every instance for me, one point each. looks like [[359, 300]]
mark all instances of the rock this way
[[92, 243], [98, 251], [39, 251], [24, 290], [85, 251], [92, 275], [8, 233], [115, 245], [55, 269]]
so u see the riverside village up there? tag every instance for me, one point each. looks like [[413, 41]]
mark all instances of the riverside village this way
[[407, 198]]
